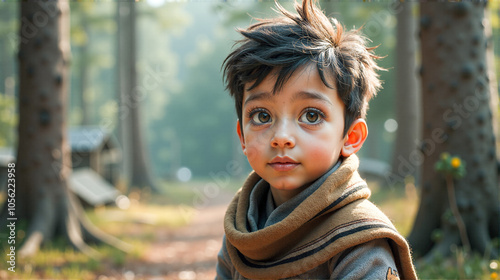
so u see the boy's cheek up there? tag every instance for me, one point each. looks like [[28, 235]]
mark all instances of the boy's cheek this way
[[251, 153], [254, 157], [324, 154]]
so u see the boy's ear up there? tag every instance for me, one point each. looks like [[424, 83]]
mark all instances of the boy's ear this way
[[355, 137], [240, 135]]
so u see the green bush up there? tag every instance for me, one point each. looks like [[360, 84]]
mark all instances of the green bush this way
[[459, 266]]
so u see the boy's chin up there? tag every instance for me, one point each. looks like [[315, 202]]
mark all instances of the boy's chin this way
[[288, 185]]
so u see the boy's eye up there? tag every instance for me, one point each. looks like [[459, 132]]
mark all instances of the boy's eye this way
[[261, 117], [311, 117]]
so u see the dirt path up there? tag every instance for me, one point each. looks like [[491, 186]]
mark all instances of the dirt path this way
[[186, 253]]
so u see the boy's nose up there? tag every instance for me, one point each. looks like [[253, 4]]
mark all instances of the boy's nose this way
[[283, 136]]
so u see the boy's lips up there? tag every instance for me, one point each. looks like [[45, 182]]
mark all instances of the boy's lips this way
[[280, 163]]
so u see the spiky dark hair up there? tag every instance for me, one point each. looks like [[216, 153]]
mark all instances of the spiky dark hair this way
[[288, 42]]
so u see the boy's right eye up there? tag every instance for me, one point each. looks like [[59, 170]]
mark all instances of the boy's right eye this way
[[260, 117]]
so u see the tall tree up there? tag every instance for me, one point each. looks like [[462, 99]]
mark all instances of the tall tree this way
[[43, 166], [407, 92], [136, 160], [457, 119], [492, 75]]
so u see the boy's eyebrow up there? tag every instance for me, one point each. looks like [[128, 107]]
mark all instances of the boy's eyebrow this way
[[312, 95], [300, 95], [258, 96]]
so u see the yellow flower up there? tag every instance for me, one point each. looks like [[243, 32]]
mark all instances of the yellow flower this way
[[455, 162], [494, 275]]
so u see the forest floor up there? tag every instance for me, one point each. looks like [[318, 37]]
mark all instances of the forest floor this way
[[187, 252], [174, 235]]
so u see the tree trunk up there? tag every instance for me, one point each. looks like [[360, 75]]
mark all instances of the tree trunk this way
[[490, 61], [457, 119], [119, 84], [408, 107], [137, 165], [43, 199]]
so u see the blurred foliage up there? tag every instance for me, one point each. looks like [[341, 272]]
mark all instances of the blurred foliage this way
[[494, 9], [93, 29], [460, 266], [8, 120], [450, 165], [8, 47], [396, 202]]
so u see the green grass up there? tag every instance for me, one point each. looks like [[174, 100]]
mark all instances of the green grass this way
[[399, 203], [136, 226], [460, 266], [55, 260]]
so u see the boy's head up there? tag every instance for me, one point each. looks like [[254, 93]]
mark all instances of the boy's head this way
[[301, 88], [284, 44]]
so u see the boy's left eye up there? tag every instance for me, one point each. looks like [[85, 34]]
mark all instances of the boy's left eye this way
[[260, 116], [311, 117]]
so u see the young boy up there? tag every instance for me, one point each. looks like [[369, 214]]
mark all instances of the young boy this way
[[301, 86]]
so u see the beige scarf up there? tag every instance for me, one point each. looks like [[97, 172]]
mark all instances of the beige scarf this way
[[335, 217]]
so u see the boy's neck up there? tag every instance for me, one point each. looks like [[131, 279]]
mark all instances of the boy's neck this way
[[282, 196]]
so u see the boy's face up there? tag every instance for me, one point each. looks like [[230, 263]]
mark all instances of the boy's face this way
[[293, 137]]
